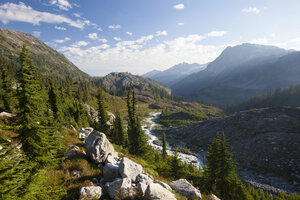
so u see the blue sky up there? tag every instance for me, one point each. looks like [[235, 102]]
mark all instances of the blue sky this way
[[101, 36]]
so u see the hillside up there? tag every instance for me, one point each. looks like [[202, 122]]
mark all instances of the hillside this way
[[241, 72], [174, 74], [45, 58], [265, 143], [118, 82]]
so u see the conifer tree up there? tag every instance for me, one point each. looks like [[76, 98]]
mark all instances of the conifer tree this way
[[53, 101], [164, 151], [102, 113], [6, 89], [34, 135], [175, 165], [118, 131]]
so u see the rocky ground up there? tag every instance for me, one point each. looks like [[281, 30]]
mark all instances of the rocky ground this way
[[265, 144], [122, 178]]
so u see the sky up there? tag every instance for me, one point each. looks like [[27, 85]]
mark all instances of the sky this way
[[137, 36]]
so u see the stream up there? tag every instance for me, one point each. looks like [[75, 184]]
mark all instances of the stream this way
[[148, 128]]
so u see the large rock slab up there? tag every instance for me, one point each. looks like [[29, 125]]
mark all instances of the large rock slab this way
[[110, 172], [183, 187], [164, 185], [129, 169], [118, 186], [143, 180], [98, 147], [91, 192], [157, 192]]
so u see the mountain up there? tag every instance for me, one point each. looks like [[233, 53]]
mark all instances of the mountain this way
[[120, 81], [174, 74], [241, 72], [45, 58], [265, 143]]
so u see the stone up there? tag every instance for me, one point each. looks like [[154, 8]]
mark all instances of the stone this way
[[110, 172], [91, 192], [165, 185], [183, 187], [6, 115], [98, 147], [142, 187], [129, 169], [212, 197], [112, 159], [144, 178], [118, 185], [155, 191]]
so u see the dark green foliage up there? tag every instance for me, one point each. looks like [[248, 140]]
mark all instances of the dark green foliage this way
[[34, 133], [6, 89], [136, 136], [102, 113], [164, 151], [118, 133], [53, 101]]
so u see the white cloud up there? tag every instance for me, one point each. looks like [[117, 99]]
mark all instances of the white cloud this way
[[263, 40], [99, 29], [62, 41], [114, 26], [60, 28], [180, 24], [251, 10], [135, 56], [93, 36], [22, 13], [77, 15], [159, 33], [61, 4], [179, 6], [103, 40], [129, 33], [80, 44], [36, 33], [117, 39], [273, 35], [216, 33]]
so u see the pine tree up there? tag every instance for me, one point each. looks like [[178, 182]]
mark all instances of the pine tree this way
[[53, 101], [102, 113], [175, 166], [35, 136], [6, 87], [164, 151], [118, 131]]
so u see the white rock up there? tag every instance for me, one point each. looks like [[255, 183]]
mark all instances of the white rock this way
[[118, 185], [110, 172], [129, 169], [183, 187], [213, 197], [164, 185], [144, 178], [98, 147], [142, 187], [157, 192], [91, 192]]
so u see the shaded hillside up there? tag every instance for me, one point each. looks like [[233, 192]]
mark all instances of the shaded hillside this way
[[45, 58], [118, 82], [175, 74], [264, 142], [241, 72], [280, 97]]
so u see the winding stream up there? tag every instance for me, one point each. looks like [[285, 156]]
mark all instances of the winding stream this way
[[187, 158]]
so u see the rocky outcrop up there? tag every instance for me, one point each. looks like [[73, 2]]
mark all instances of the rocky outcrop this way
[[143, 180], [164, 185], [98, 147], [85, 132], [212, 197], [183, 187], [129, 169], [157, 192], [91, 192], [111, 172]]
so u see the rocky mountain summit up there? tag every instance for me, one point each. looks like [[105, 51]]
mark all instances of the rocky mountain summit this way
[[118, 81], [265, 143], [123, 178]]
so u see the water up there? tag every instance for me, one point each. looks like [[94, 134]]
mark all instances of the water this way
[[187, 158]]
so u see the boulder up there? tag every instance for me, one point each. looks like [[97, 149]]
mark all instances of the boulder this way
[[117, 186], [143, 180], [91, 192], [129, 169], [112, 159], [183, 187], [157, 192], [110, 172], [98, 147], [212, 197], [85, 132], [6, 115], [164, 185]]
